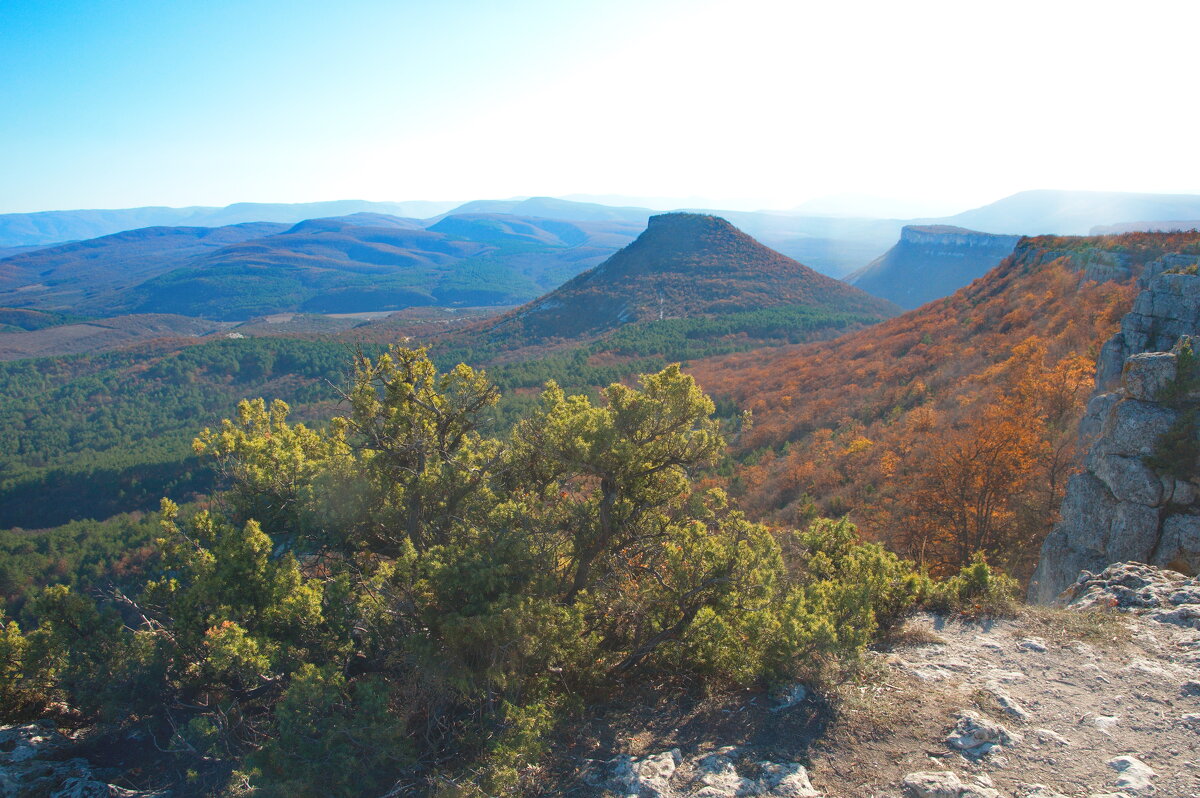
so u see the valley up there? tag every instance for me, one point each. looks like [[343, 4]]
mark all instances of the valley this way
[[143, 392], [827, 438], [905, 431]]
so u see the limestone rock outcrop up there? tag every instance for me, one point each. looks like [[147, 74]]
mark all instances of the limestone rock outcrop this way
[[1121, 506], [37, 760], [1159, 594], [977, 736], [943, 784], [724, 773], [1167, 307]]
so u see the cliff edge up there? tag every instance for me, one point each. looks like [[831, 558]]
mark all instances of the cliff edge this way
[[1138, 497]]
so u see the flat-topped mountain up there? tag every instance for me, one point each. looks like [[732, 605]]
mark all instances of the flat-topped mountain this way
[[684, 265], [930, 262]]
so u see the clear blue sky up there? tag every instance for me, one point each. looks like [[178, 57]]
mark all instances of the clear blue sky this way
[[116, 103]]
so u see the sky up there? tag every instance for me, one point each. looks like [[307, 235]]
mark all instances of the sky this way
[[747, 104]]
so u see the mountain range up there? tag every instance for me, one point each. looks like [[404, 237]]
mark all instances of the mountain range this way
[[361, 262], [485, 253], [828, 238], [48, 227]]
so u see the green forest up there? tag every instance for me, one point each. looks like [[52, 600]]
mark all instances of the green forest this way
[[94, 436]]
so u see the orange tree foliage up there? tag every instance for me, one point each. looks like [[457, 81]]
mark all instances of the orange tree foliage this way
[[948, 429], [991, 478]]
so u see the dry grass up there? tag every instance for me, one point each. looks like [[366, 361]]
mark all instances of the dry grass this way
[[1097, 628], [907, 634]]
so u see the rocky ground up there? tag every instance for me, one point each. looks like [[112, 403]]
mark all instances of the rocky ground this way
[[1101, 700], [38, 761]]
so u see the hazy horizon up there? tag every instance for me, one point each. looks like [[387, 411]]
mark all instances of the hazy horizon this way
[[762, 105], [832, 205]]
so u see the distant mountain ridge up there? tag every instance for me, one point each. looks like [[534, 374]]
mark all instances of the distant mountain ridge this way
[[47, 227], [492, 227], [552, 208], [1042, 212], [361, 262], [930, 262], [831, 244], [683, 265], [1182, 225]]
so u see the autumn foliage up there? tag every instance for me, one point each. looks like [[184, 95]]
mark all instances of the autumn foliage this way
[[949, 429]]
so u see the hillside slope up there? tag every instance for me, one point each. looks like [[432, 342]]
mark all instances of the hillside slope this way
[[895, 424], [930, 262], [684, 265], [66, 276], [100, 335]]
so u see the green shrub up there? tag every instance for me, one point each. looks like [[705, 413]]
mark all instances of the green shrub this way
[[1177, 451], [977, 590], [399, 589], [23, 685], [330, 736]]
